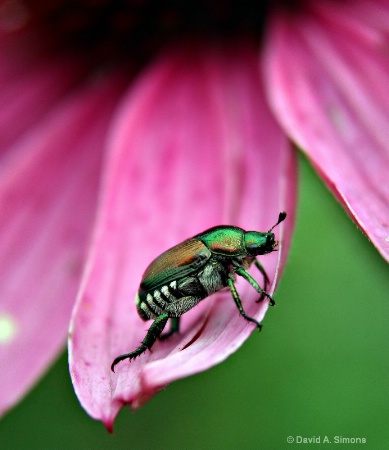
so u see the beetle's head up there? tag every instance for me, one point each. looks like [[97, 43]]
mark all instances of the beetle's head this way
[[259, 243]]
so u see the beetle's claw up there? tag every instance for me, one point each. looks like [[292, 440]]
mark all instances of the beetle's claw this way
[[262, 297], [259, 326], [250, 319], [132, 355], [167, 335]]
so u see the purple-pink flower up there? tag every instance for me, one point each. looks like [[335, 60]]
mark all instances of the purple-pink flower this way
[[105, 165]]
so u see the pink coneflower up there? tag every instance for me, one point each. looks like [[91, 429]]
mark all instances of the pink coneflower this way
[[128, 128]]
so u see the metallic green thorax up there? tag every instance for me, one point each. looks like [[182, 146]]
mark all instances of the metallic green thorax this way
[[234, 241], [224, 240], [184, 275]]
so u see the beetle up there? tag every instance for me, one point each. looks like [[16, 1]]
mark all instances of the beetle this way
[[181, 277]]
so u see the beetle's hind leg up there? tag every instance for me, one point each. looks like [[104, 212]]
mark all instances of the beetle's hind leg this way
[[240, 271], [152, 335], [174, 328], [238, 303]]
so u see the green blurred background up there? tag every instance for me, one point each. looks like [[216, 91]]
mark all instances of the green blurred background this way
[[319, 368]]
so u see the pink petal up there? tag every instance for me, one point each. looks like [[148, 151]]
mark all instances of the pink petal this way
[[18, 50], [194, 146], [47, 202], [328, 81], [31, 81], [30, 95]]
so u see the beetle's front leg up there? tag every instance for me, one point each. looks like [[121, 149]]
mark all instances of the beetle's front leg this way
[[238, 303], [152, 335], [240, 271], [266, 280]]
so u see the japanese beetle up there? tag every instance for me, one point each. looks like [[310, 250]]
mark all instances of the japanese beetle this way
[[181, 277]]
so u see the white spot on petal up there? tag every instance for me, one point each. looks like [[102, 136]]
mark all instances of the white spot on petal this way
[[387, 239], [8, 328]]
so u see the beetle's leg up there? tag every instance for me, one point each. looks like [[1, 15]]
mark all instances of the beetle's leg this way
[[152, 335], [238, 303], [174, 328], [240, 271], [266, 280]]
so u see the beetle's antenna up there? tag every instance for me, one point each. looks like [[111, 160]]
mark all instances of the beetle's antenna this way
[[281, 218]]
